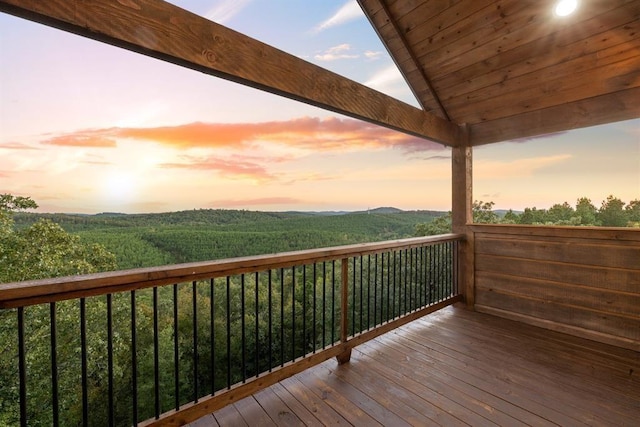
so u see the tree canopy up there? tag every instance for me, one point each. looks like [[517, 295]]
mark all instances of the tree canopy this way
[[612, 213], [44, 249]]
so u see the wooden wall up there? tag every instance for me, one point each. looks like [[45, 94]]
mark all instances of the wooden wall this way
[[580, 280]]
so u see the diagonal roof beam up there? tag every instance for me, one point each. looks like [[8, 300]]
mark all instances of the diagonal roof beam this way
[[369, 5], [164, 31]]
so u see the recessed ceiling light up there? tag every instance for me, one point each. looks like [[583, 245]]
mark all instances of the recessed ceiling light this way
[[565, 7]]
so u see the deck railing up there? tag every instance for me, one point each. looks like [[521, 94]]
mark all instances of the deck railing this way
[[167, 345]]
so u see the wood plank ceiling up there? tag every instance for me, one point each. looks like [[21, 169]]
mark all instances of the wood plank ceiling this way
[[511, 68]]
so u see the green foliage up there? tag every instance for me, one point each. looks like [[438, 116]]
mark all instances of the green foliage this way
[[612, 213], [586, 211], [482, 214], [43, 249]]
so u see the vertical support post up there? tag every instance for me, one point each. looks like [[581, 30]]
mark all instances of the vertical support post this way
[[462, 202], [345, 356]]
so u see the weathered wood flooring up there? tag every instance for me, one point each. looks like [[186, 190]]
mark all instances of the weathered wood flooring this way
[[456, 367]]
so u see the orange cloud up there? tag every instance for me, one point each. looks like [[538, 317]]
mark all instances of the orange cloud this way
[[96, 139], [307, 132], [234, 168], [17, 146]]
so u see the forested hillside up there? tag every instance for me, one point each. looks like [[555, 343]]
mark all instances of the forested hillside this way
[[144, 240]]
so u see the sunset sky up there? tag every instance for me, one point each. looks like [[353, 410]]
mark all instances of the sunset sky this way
[[87, 127]]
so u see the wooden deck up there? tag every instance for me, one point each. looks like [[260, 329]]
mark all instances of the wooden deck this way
[[456, 367]]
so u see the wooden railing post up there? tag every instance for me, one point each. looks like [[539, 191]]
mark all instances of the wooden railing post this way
[[461, 212], [345, 356]]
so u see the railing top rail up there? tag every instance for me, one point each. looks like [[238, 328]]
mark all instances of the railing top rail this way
[[18, 294]]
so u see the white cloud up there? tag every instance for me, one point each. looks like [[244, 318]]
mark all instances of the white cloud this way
[[370, 54], [350, 11], [224, 10], [386, 78], [336, 52]]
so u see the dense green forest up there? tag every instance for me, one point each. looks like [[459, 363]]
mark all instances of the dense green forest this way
[[167, 238]]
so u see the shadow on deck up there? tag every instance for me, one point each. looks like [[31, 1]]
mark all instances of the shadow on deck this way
[[456, 367]]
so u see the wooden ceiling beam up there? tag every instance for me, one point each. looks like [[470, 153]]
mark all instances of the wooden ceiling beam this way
[[164, 31], [608, 108]]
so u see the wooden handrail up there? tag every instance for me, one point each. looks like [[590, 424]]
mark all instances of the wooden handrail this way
[[19, 294]]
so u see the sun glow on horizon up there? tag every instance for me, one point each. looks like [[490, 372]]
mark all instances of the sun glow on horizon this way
[[120, 187]]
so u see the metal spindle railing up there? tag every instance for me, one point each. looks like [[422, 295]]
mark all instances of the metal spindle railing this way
[[194, 340]]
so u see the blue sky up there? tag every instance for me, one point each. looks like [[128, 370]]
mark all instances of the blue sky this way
[[86, 127]]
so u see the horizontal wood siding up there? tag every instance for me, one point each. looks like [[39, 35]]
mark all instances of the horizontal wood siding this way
[[583, 281]]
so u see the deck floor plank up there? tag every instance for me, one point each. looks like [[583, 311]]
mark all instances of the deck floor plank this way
[[532, 380], [303, 412], [229, 416], [253, 414], [479, 400], [325, 413], [277, 410], [548, 374], [454, 368]]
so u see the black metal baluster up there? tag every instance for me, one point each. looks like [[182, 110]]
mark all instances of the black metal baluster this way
[[423, 275], [375, 291], [443, 266], [434, 257], [353, 300], [324, 303], [400, 284], [83, 361], [134, 360], [228, 333], [456, 251], [333, 302], [111, 418], [388, 284], [243, 339], [304, 310], [416, 278], [270, 313], [440, 278], [395, 301], [212, 327], [281, 316], [156, 355], [22, 368], [314, 306], [55, 405], [410, 280], [257, 335], [419, 276], [406, 281], [176, 361], [293, 313], [369, 291], [361, 293], [194, 300]]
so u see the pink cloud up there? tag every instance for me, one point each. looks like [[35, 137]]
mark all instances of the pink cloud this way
[[235, 168], [317, 134], [16, 146], [96, 139]]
